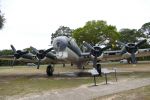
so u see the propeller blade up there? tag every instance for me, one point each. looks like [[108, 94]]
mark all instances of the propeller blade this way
[[35, 50], [39, 61], [121, 43], [13, 48], [100, 42], [123, 50], [133, 58], [87, 45], [48, 50], [13, 62], [141, 42]]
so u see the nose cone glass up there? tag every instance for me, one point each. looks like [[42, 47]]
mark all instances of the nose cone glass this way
[[60, 43]]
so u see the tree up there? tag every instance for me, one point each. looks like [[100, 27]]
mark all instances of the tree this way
[[2, 19], [95, 31], [6, 52], [62, 31], [5, 62], [145, 29], [130, 35]]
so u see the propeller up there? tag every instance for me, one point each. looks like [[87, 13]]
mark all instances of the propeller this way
[[40, 54], [131, 48], [19, 53], [96, 51]]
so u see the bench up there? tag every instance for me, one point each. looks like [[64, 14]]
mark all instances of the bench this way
[[104, 71]]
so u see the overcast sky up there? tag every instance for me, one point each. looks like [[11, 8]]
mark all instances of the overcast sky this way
[[31, 22]]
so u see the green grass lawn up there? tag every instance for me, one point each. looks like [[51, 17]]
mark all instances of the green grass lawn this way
[[23, 85]]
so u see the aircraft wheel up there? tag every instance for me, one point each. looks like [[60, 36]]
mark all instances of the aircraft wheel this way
[[98, 67], [49, 70], [83, 67], [129, 60]]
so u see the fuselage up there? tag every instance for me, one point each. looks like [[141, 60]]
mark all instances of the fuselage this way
[[67, 50]]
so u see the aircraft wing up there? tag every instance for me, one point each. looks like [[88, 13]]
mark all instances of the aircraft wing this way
[[112, 55], [53, 61], [11, 58], [107, 56], [143, 52], [117, 55]]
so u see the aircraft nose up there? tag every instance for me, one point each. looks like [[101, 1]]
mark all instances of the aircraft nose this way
[[59, 45]]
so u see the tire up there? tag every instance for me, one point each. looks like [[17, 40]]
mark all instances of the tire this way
[[98, 67], [49, 70]]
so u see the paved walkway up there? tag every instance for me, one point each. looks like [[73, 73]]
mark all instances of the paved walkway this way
[[87, 92]]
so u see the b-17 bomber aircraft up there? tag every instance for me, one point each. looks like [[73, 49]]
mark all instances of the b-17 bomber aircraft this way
[[65, 50]]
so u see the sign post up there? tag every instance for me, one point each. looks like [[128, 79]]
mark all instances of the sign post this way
[[94, 81], [106, 77], [115, 73]]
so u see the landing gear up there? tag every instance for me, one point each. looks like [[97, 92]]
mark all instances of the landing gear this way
[[64, 65], [98, 67], [49, 70], [129, 60], [83, 67]]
